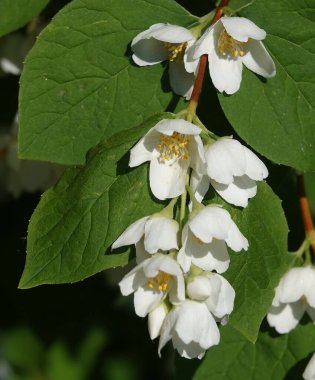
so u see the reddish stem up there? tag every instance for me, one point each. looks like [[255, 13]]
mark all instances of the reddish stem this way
[[306, 212], [203, 59]]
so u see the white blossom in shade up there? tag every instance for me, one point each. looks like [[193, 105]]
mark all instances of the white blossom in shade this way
[[294, 295], [156, 319], [171, 146], [309, 372], [163, 42], [204, 238], [159, 232], [192, 329], [151, 281], [232, 170], [216, 292], [230, 43]]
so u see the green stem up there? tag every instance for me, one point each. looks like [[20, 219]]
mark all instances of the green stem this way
[[303, 248]]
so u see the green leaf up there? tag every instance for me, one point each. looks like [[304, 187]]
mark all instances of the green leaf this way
[[276, 116], [273, 357], [255, 273], [16, 13], [75, 223], [79, 85]]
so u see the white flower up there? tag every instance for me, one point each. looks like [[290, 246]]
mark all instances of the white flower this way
[[204, 238], [171, 146], [192, 329], [166, 42], [216, 292], [294, 295], [151, 281], [230, 43], [156, 318], [160, 233], [309, 373], [232, 170]]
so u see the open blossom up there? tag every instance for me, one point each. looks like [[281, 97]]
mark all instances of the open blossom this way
[[232, 169], [166, 42], [171, 146], [192, 329], [230, 43], [151, 281], [204, 237], [309, 373], [159, 232], [294, 295]]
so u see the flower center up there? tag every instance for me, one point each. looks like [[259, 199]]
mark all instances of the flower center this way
[[176, 51], [175, 146], [160, 281], [227, 45]]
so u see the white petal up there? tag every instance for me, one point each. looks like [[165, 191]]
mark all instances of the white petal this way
[[166, 331], [172, 33], [146, 300], [225, 72], [255, 168], [160, 233], [9, 67], [191, 64], [206, 42], [309, 285], [210, 222], [132, 281], [309, 372], [222, 298], [132, 234], [169, 126], [236, 240], [241, 29], [143, 150], [225, 159], [163, 263], [238, 192], [141, 253], [199, 184], [285, 317], [183, 256], [199, 288], [181, 81], [197, 153], [258, 60], [168, 181], [156, 319], [292, 285]]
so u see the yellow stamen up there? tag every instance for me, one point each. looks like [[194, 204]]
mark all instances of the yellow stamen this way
[[175, 146], [160, 281], [176, 51], [228, 46]]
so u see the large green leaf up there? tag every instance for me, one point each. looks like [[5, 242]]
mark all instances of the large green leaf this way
[[276, 116], [16, 13], [273, 357], [79, 85], [75, 223], [254, 274]]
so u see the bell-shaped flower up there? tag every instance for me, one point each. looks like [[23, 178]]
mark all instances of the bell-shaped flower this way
[[230, 43], [192, 329], [232, 170], [151, 281], [150, 234], [216, 292], [294, 295], [163, 42], [309, 372], [171, 146], [204, 237]]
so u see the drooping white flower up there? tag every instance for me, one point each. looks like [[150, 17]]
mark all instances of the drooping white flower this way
[[204, 238], [216, 292], [230, 43], [166, 42], [171, 146], [232, 169], [294, 295], [156, 318], [151, 281], [192, 329], [159, 232], [309, 373]]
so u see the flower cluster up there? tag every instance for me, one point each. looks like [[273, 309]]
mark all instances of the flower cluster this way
[[229, 43], [177, 282]]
